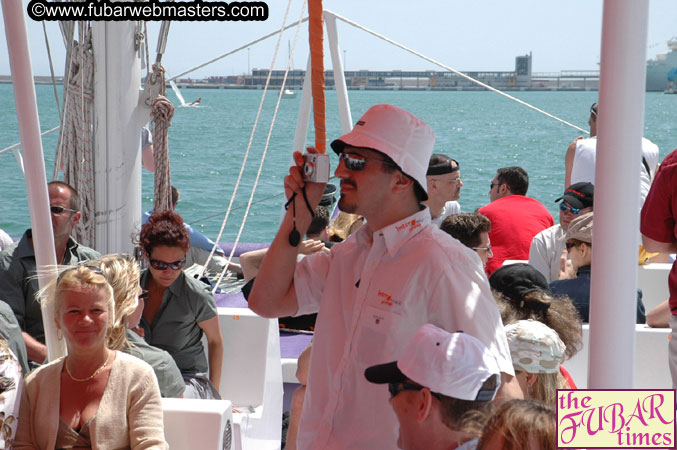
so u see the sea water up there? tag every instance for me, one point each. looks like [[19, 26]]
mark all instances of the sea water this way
[[481, 130]]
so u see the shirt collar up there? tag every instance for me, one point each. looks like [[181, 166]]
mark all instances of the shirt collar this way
[[25, 248], [397, 234]]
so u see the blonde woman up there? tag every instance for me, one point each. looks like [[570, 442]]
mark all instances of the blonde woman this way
[[537, 352], [122, 273], [94, 397]]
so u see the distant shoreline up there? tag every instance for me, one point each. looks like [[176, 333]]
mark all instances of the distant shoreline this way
[[7, 79]]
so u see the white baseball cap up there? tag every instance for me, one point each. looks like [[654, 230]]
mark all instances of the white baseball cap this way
[[452, 364], [402, 136]]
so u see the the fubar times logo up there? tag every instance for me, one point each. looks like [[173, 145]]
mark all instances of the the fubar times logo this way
[[623, 418]]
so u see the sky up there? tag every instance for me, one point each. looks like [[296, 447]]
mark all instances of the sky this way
[[479, 35]]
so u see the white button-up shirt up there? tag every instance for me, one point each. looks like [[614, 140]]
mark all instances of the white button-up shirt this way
[[373, 292]]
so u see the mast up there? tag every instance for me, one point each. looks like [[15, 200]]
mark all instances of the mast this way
[[117, 130]]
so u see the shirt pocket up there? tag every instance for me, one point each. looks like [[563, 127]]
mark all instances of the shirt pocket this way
[[376, 336]]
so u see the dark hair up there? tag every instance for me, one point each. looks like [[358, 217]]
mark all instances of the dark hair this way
[[559, 313], [319, 222], [75, 197], [175, 196], [515, 178], [164, 228], [466, 227], [520, 422], [468, 416], [390, 166]]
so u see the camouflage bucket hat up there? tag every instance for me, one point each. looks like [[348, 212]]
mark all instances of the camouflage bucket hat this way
[[534, 347]]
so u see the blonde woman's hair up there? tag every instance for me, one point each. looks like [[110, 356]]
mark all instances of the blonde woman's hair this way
[[521, 423], [546, 385], [122, 273], [79, 277], [344, 225]]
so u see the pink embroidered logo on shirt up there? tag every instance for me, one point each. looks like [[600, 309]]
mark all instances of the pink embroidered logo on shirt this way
[[411, 225], [387, 299]]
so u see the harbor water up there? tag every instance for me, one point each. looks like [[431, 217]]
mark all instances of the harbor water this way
[[481, 130]]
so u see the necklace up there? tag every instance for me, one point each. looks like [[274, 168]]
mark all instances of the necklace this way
[[98, 371]]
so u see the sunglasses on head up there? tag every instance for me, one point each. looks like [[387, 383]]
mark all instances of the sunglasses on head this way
[[60, 209], [396, 388], [161, 265], [96, 270], [593, 109], [356, 162], [574, 211]]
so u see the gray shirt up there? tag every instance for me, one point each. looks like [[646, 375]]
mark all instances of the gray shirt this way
[[175, 326], [18, 283], [168, 375], [10, 330]]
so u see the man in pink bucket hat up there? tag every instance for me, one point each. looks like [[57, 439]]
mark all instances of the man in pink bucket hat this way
[[374, 290]]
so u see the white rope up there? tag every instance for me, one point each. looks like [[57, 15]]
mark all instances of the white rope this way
[[162, 112], [242, 47], [76, 133], [461, 74], [51, 70], [265, 150], [15, 146], [249, 145]]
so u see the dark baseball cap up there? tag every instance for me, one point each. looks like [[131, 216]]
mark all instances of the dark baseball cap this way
[[440, 164], [579, 195]]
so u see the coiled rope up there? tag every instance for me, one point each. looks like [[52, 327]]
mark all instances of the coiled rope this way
[[76, 133], [162, 112], [251, 139]]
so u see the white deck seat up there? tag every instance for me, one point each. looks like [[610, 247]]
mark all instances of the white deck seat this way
[[651, 358], [652, 279], [251, 377], [203, 424]]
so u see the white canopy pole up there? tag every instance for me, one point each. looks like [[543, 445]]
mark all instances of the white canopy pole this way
[[339, 75], [34, 162], [616, 226]]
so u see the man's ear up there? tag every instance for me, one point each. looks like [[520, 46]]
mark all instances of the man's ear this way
[[76, 218], [424, 404], [402, 183], [504, 190]]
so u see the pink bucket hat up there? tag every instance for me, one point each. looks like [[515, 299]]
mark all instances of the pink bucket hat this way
[[402, 136]]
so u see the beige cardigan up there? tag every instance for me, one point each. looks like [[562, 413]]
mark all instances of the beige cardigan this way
[[129, 415]]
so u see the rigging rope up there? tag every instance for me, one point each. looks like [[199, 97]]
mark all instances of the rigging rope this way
[[451, 69], [162, 112], [251, 139], [76, 133], [316, 39], [51, 70]]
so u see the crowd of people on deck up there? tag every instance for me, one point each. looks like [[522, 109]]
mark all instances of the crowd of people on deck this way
[[467, 317]]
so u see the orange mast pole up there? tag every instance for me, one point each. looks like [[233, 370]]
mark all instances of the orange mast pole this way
[[316, 38]]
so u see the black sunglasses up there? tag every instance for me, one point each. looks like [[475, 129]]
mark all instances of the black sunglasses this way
[[161, 265], [396, 388], [357, 162], [60, 209], [570, 245], [96, 270]]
